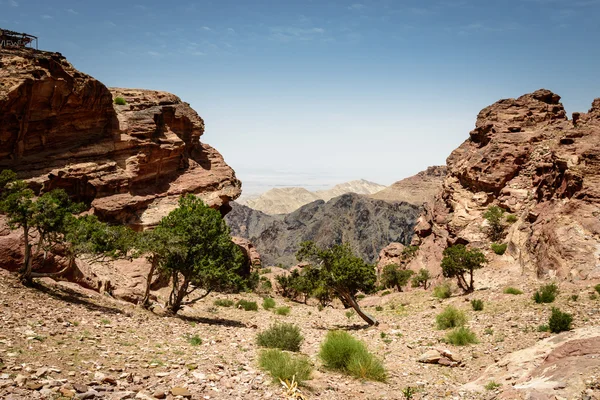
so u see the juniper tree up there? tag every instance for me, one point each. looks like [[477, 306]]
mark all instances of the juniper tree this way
[[458, 262]]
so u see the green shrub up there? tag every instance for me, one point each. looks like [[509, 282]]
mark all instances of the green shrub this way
[[512, 290], [378, 308], [194, 340], [247, 305], [494, 216], [574, 297], [543, 328], [451, 317], [442, 291], [281, 336], [223, 302], [360, 296], [120, 101], [559, 321], [499, 248], [546, 294], [593, 296], [408, 392], [511, 218], [284, 366], [283, 310], [477, 305], [385, 292], [461, 336], [597, 288], [268, 303], [491, 385], [340, 351], [263, 271], [350, 314]]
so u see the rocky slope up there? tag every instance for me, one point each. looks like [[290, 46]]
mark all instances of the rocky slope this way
[[367, 224], [59, 128], [418, 189], [287, 200], [526, 156]]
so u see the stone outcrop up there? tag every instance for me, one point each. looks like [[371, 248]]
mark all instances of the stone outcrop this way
[[59, 128], [366, 224], [251, 255], [526, 156], [418, 189], [556, 366]]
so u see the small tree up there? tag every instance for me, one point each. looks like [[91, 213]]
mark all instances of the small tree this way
[[494, 215], [459, 261], [394, 276], [201, 254], [343, 272], [421, 278]]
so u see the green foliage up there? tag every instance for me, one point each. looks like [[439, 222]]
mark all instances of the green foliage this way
[[491, 385], [597, 288], [421, 278], [559, 321], [394, 276], [120, 101], [459, 261], [342, 352], [341, 271], [200, 254], [264, 271], [350, 314], [408, 392], [268, 303], [461, 336], [499, 248], [247, 305], [265, 285], [281, 336], [546, 293], [494, 216], [477, 304], [194, 340], [385, 293], [593, 296], [378, 308], [574, 297], [451, 317], [283, 310], [409, 252], [442, 291], [285, 367], [511, 218], [223, 302], [512, 290], [543, 328]]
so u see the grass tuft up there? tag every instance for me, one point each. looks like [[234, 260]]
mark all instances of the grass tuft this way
[[268, 303], [477, 305], [120, 101], [285, 367], [247, 305], [461, 337], [283, 310], [223, 302], [451, 317], [512, 290], [546, 293], [281, 336], [442, 291], [342, 352]]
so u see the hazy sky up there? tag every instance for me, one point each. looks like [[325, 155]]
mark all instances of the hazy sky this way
[[316, 92]]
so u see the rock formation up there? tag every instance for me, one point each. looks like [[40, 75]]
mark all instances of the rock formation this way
[[287, 200], [367, 224], [60, 128], [526, 156], [418, 189]]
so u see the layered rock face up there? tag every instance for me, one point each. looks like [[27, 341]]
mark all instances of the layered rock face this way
[[366, 224], [60, 129], [526, 156]]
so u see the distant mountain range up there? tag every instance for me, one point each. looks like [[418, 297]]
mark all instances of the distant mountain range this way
[[287, 200]]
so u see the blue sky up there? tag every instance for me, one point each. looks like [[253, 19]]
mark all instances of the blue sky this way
[[315, 92]]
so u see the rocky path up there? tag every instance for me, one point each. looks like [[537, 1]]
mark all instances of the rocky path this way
[[60, 341]]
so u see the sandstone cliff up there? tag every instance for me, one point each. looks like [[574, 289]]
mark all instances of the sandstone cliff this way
[[367, 224], [418, 189], [526, 156], [59, 128], [287, 200]]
